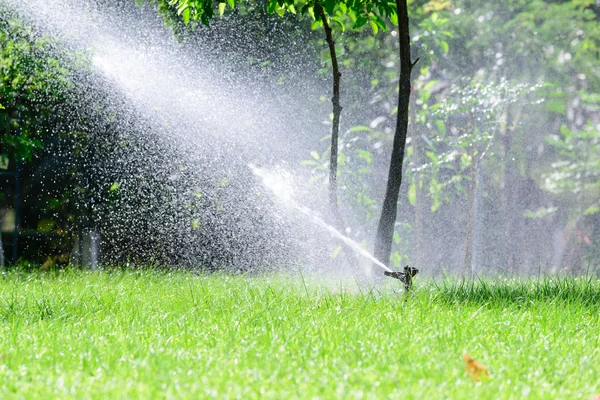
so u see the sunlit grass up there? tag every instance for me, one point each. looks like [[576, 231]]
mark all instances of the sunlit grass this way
[[155, 334]]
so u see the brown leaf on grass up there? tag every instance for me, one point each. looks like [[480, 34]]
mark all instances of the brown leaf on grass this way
[[474, 368]]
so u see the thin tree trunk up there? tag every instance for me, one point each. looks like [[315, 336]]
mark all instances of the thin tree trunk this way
[[1, 253], [387, 220], [510, 194], [337, 109], [467, 267], [418, 231], [335, 130]]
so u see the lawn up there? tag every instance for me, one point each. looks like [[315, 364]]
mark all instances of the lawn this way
[[151, 334]]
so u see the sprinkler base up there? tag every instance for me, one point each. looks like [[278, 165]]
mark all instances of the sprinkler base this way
[[405, 277]]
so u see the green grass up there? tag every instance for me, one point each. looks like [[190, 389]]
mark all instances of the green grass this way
[[177, 335]]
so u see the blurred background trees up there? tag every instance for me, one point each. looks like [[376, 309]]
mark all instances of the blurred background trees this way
[[500, 83]]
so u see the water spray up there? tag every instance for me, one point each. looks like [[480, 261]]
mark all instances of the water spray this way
[[281, 187]]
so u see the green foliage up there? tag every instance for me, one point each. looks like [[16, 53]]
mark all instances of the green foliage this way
[[481, 107], [577, 170], [32, 83], [43, 128], [484, 67], [343, 14]]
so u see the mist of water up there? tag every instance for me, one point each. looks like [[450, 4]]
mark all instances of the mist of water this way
[[279, 184], [190, 131]]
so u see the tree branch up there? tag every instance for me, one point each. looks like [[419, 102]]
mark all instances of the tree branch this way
[[337, 109]]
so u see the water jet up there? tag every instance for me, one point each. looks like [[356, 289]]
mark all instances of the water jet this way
[[279, 184]]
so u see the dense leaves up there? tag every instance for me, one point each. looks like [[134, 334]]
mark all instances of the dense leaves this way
[[32, 83]]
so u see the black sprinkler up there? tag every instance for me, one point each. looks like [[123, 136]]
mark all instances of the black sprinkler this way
[[405, 276]]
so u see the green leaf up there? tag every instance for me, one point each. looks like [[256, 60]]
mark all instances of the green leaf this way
[[557, 106], [441, 126], [444, 46], [365, 155], [187, 13], [429, 85], [591, 210], [231, 4], [315, 155], [374, 26], [380, 23], [305, 8], [195, 223], [204, 19], [339, 23], [4, 162], [360, 21], [114, 187], [330, 6], [46, 225], [221, 9], [336, 252], [359, 128], [540, 213], [208, 10], [432, 157], [412, 194], [280, 11], [436, 204], [310, 163], [182, 7], [2, 107]]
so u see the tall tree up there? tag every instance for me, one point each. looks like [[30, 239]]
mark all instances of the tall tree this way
[[337, 109], [387, 220]]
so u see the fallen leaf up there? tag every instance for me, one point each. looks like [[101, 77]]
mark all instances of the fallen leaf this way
[[474, 368]]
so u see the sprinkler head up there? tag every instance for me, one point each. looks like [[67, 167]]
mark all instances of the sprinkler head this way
[[405, 276], [408, 271]]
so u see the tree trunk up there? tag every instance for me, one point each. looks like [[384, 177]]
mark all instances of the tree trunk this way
[[467, 267], [418, 230], [337, 109], [511, 186], [335, 130], [1, 253], [387, 220]]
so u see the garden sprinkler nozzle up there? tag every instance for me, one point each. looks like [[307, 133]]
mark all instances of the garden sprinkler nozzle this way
[[405, 276]]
